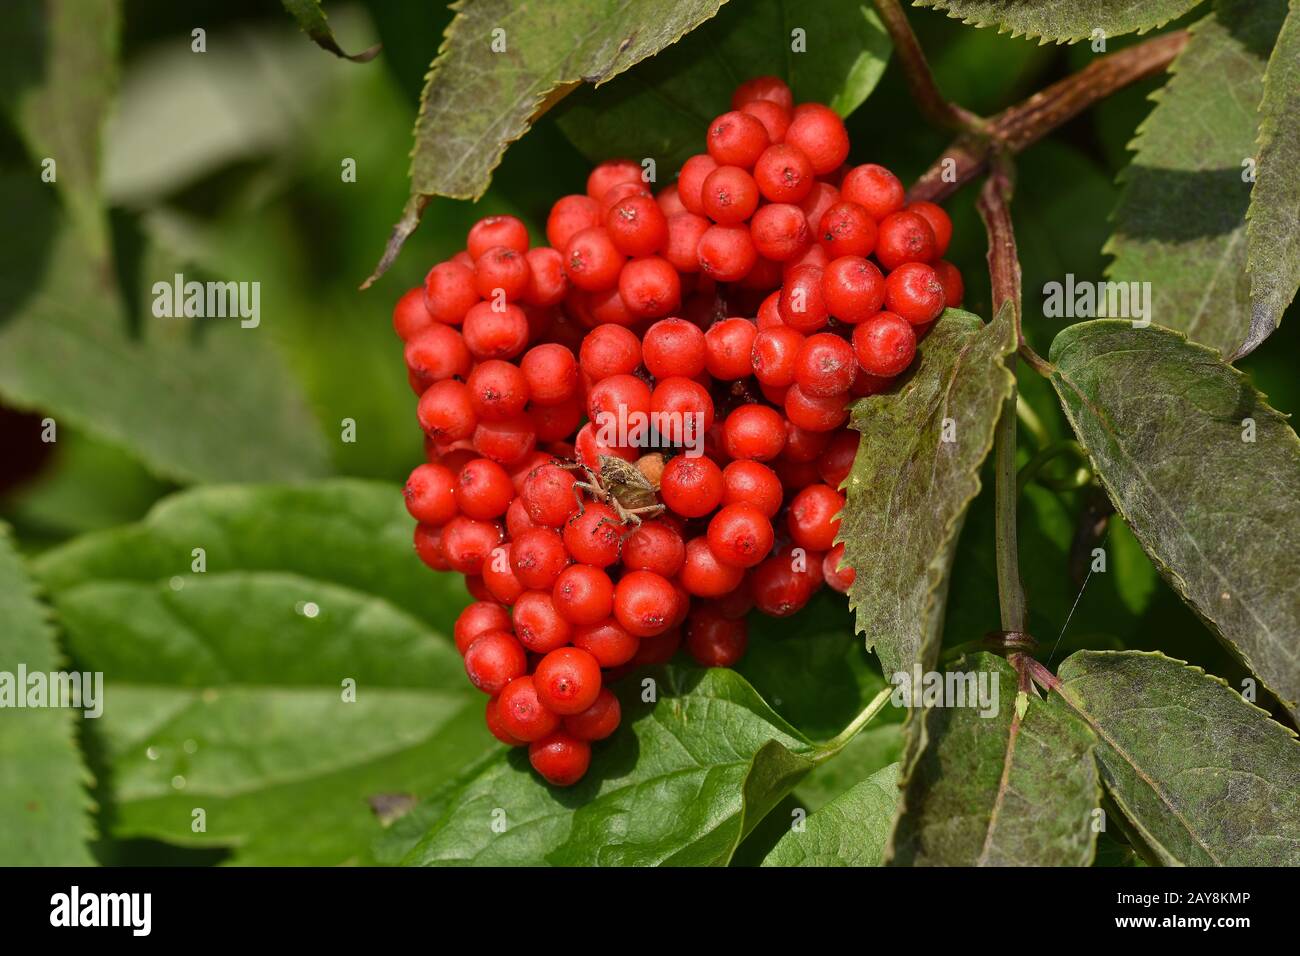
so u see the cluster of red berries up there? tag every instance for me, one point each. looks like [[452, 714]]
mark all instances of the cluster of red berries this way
[[743, 298]]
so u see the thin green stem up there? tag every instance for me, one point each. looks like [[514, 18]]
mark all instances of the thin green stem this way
[[1032, 423], [837, 743], [1033, 468]]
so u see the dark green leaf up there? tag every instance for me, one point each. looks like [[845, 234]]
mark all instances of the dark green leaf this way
[[851, 830], [1206, 778], [1206, 474], [1273, 236], [681, 783], [996, 789], [312, 20], [662, 108], [1181, 222], [1063, 20], [44, 807], [228, 690], [917, 469], [502, 65]]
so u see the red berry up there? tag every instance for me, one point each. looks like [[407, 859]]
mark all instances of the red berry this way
[[874, 188], [499, 577], [410, 317], [609, 350], [778, 589], [684, 401], [814, 412], [583, 594], [568, 680], [752, 483], [609, 174], [650, 287], [669, 202], [645, 603], [560, 758], [763, 88], [801, 304], [674, 347], [835, 463], [704, 575], [884, 344], [569, 216], [637, 226], [607, 641], [592, 261], [466, 543], [598, 721], [498, 390], [819, 132], [538, 624], [839, 576], [428, 547], [685, 230], [547, 283], [813, 517], [449, 292], [655, 546], [729, 195], [784, 174], [825, 365], [914, 291], [774, 119], [593, 537], [483, 489], [495, 727], [728, 347], [548, 495], [437, 353], [737, 139], [846, 229], [714, 640], [780, 231], [493, 660], [508, 442], [953, 287], [477, 619], [502, 272], [740, 535], [853, 289], [726, 253], [904, 237], [775, 355], [691, 486], [690, 181], [491, 333], [550, 374], [939, 222], [616, 399], [492, 231], [754, 432], [521, 713], [430, 494]]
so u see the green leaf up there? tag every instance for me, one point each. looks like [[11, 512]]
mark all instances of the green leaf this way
[[228, 690], [662, 108], [1204, 472], [818, 676], [683, 781], [999, 789], [312, 20], [194, 399], [1273, 234], [917, 469], [1206, 778], [502, 65], [44, 806], [851, 830], [1063, 21], [1181, 221], [58, 74]]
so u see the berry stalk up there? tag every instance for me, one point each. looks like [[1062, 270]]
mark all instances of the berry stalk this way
[[920, 81]]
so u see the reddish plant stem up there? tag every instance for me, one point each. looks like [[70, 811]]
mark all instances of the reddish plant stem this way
[[1021, 125], [920, 81]]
